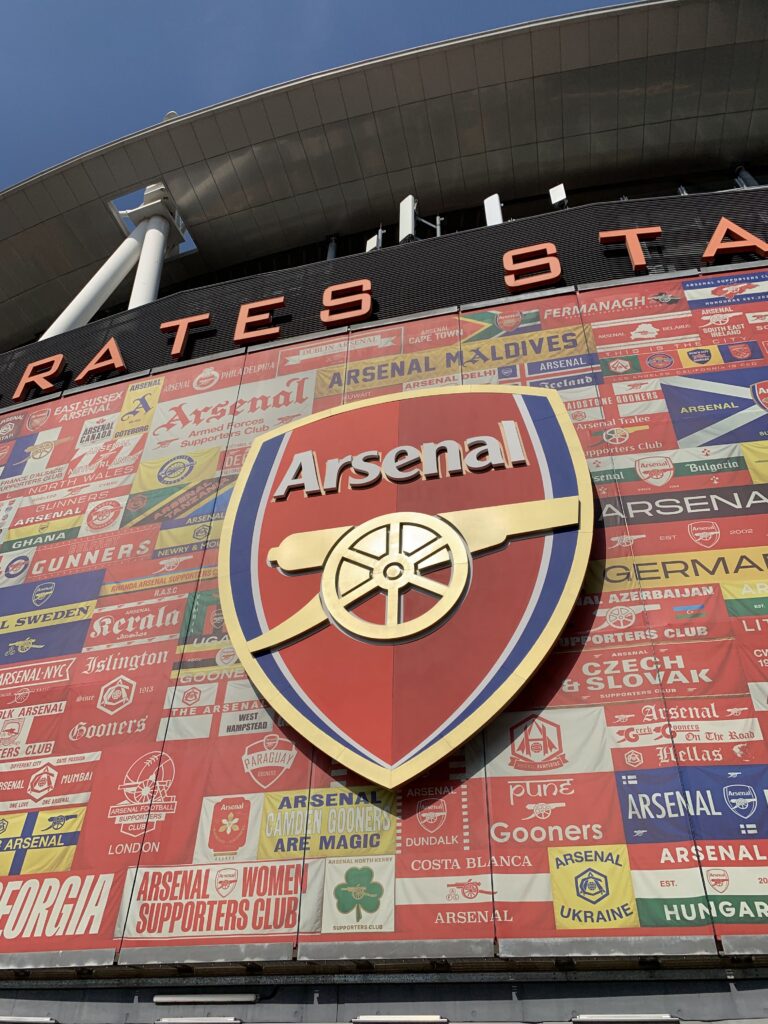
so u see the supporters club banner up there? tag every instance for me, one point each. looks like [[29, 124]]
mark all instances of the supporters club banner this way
[[153, 800]]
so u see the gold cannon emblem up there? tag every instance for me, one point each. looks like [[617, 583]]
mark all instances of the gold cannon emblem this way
[[394, 553], [39, 451], [22, 646]]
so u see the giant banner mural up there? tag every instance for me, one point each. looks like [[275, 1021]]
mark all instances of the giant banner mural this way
[[154, 807]]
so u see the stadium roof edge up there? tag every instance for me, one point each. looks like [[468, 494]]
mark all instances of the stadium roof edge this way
[[602, 95], [331, 72]]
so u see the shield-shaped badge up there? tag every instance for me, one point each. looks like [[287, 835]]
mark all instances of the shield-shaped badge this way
[[699, 355], [229, 825], [742, 351], [760, 393], [225, 881], [718, 879], [705, 533], [269, 757], [42, 593], [431, 814], [393, 571], [620, 365], [740, 799], [655, 469]]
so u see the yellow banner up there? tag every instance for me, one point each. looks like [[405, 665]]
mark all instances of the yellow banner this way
[[671, 570], [189, 537], [525, 348], [40, 841], [327, 822], [34, 619], [40, 529], [714, 357], [476, 352], [139, 406], [176, 470], [129, 586], [746, 591], [756, 457], [395, 370], [592, 888]]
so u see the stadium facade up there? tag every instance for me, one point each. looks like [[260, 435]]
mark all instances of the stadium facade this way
[[302, 715]]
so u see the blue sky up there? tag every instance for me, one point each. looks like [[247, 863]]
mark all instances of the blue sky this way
[[75, 74]]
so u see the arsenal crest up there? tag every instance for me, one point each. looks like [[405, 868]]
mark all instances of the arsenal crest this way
[[740, 799], [655, 469], [431, 814], [760, 393], [393, 571], [741, 351], [718, 879], [705, 533]]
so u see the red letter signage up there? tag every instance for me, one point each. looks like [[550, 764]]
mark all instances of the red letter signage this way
[[531, 265], [730, 238], [182, 330], [631, 237], [42, 373], [347, 303], [253, 313], [109, 357]]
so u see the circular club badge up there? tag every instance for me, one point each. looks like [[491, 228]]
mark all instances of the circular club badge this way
[[103, 515]]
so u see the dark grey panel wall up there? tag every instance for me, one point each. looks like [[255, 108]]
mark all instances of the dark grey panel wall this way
[[412, 278]]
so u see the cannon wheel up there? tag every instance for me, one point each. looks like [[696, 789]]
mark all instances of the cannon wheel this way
[[392, 554]]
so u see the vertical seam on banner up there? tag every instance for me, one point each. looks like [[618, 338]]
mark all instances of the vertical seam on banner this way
[[182, 645]]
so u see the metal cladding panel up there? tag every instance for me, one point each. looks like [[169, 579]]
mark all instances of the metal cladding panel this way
[[207, 954], [485, 998], [153, 805]]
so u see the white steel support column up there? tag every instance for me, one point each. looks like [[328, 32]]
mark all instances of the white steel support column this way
[[146, 283], [96, 292]]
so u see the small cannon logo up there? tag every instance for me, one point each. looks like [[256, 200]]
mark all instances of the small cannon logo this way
[[23, 646], [468, 890]]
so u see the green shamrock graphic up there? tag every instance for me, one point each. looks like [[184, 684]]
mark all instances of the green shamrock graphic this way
[[358, 892]]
